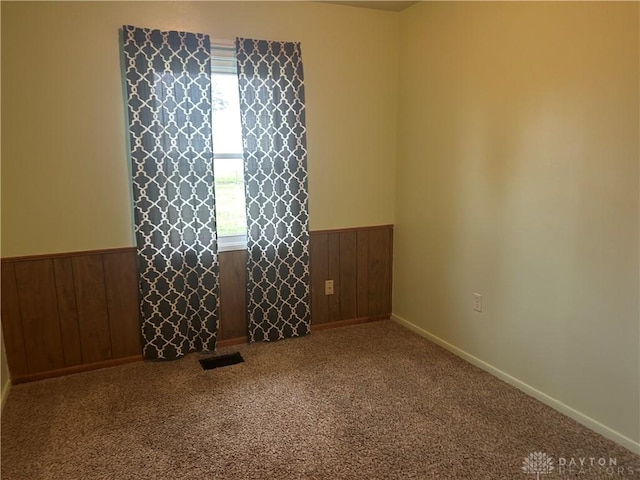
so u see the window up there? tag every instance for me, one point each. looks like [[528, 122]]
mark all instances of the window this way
[[228, 164]]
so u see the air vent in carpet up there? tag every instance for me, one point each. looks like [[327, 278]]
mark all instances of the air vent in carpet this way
[[221, 361]]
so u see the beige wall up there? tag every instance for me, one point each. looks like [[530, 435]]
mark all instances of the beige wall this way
[[65, 183], [517, 177]]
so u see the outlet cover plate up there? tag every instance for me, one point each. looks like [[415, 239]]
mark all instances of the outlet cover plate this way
[[477, 302], [328, 287]]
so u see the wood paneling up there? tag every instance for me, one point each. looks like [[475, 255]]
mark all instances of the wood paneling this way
[[348, 272], [12, 323], [64, 313], [121, 282], [319, 266], [362, 273], [93, 312], [359, 262], [379, 269], [233, 295], [38, 304], [67, 311], [349, 257], [334, 274]]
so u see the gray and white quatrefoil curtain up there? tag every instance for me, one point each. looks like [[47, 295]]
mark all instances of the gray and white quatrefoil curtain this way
[[272, 109], [168, 77]]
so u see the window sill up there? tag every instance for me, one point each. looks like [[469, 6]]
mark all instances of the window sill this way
[[230, 243]]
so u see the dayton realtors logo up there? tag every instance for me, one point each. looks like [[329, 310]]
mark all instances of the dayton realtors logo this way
[[539, 463]]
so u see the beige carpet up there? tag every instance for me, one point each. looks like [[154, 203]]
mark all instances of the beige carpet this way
[[372, 401]]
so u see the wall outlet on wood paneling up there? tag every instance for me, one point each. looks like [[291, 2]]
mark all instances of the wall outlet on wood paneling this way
[[328, 287]]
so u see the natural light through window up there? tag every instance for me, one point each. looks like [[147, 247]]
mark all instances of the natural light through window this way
[[227, 151]]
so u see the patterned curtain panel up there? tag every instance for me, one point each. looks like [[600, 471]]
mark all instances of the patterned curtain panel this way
[[273, 125], [168, 77]]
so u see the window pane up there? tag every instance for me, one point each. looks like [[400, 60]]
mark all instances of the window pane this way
[[227, 132], [227, 142], [230, 205]]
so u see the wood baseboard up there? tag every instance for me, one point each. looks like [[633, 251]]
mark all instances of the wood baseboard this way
[[314, 328], [232, 341], [346, 323], [85, 367]]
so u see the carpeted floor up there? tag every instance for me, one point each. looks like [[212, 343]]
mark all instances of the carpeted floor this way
[[372, 401]]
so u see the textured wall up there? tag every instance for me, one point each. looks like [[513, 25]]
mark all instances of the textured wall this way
[[518, 178], [65, 182]]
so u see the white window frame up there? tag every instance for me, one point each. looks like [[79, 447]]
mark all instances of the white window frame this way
[[223, 60]]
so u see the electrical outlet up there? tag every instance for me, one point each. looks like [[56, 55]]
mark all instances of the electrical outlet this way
[[328, 287], [477, 302]]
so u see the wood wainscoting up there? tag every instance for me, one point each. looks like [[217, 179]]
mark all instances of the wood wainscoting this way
[[66, 313], [72, 312], [359, 261]]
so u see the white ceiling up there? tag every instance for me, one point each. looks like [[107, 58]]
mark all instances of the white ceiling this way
[[391, 5]]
